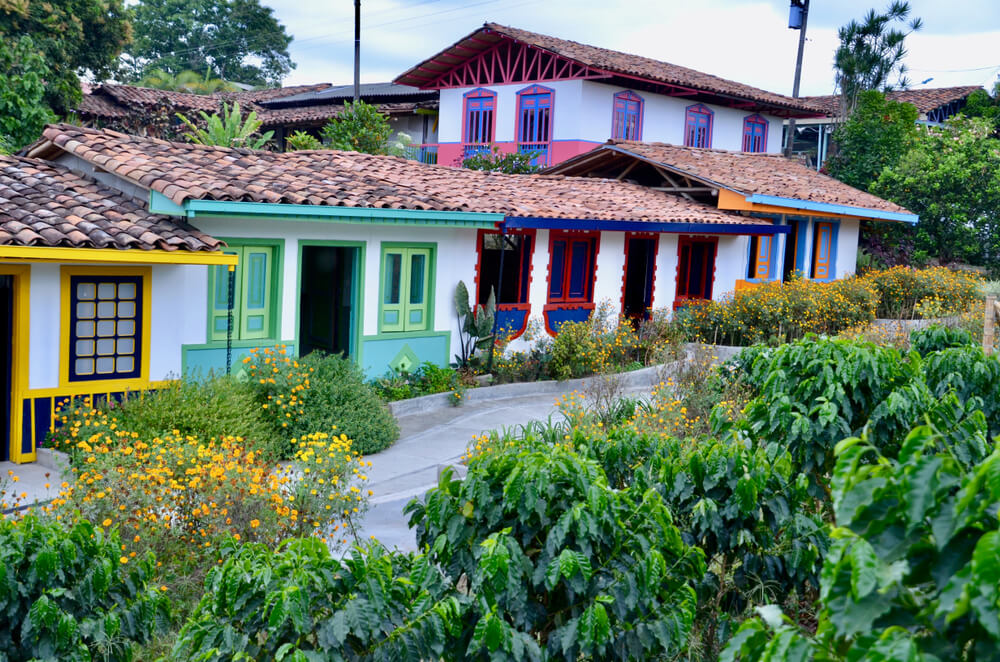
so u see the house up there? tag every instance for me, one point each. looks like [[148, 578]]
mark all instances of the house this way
[[934, 105], [90, 286], [285, 110], [555, 98], [820, 215]]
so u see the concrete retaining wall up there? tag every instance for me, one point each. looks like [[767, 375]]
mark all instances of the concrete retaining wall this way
[[635, 379]]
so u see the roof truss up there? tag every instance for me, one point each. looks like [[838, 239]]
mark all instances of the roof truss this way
[[503, 61]]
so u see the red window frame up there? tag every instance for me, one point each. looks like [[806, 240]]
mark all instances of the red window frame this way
[[626, 116], [682, 295], [698, 121], [481, 129], [754, 133], [570, 242], [523, 267]]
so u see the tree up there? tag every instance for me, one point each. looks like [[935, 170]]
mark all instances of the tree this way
[[951, 178], [870, 55], [23, 112], [235, 40], [493, 160], [73, 36], [981, 104], [186, 81], [228, 129], [876, 135], [361, 127]]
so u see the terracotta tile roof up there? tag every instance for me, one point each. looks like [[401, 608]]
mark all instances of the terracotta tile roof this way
[[614, 62], [182, 171], [130, 95], [46, 204], [925, 100], [98, 105], [748, 174]]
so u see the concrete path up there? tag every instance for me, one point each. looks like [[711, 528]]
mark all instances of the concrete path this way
[[427, 441], [31, 482]]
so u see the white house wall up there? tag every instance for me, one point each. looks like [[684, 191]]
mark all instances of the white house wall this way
[[582, 111]]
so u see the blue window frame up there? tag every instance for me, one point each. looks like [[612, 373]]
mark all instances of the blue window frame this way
[[534, 122], [754, 134], [762, 258], [698, 126], [572, 263], [626, 121], [105, 327]]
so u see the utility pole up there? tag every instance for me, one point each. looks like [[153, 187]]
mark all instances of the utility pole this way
[[798, 16], [357, 52]]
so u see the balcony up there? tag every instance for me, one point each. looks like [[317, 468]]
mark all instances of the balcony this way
[[474, 149], [540, 150], [423, 153]]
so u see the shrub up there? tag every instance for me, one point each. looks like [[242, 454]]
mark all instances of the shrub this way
[[298, 603], [320, 393], [815, 392], [70, 594], [905, 293], [937, 337], [216, 407], [779, 312], [179, 496], [914, 569], [596, 345], [428, 379], [559, 565]]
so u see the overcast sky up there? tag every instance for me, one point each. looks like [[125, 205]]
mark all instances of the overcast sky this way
[[743, 40]]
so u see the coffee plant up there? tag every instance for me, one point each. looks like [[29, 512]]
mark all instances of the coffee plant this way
[[301, 605], [558, 565], [913, 572], [70, 594]]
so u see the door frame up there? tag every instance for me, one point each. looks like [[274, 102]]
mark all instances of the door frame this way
[[679, 301], [19, 358], [655, 238], [358, 275]]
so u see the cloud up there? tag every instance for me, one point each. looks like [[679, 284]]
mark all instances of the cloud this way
[[743, 40]]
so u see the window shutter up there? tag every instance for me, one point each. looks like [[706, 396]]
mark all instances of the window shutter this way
[[255, 296], [393, 287], [417, 261], [219, 304]]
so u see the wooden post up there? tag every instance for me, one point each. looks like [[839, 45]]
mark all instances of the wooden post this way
[[989, 325]]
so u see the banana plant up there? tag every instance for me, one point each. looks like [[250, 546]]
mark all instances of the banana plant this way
[[475, 325]]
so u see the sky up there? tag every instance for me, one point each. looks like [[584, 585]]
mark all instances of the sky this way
[[743, 40]]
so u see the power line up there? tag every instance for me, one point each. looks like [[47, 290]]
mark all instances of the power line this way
[[953, 71]]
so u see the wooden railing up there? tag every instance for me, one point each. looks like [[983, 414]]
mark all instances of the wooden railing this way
[[989, 324]]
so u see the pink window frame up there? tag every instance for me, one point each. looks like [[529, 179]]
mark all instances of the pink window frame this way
[[748, 121], [479, 92], [689, 113], [537, 90], [628, 96]]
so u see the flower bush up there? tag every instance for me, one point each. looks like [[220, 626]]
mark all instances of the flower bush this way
[[179, 496], [319, 393], [905, 293], [780, 312]]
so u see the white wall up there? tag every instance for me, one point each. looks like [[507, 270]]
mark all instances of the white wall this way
[[45, 341], [455, 260], [847, 247], [177, 316], [583, 111]]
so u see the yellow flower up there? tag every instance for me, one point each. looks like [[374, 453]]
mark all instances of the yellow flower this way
[[123, 560], [107, 522]]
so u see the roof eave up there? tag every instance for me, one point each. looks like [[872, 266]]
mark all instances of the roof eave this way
[[830, 208], [667, 227]]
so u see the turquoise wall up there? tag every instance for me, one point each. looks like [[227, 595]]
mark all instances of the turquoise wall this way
[[204, 360], [381, 353]]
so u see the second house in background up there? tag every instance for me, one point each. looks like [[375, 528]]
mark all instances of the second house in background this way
[[556, 98]]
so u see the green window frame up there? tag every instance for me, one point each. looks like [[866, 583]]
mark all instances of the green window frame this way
[[406, 286], [255, 296]]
